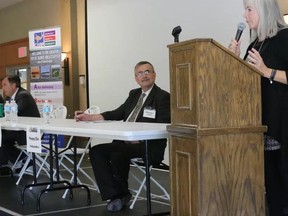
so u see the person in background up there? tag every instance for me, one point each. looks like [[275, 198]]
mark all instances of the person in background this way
[[26, 107], [268, 53], [111, 162]]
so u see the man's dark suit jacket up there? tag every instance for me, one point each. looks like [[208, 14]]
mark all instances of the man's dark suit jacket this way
[[157, 99], [26, 104], [26, 107]]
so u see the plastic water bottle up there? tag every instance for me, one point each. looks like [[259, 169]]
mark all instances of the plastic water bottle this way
[[7, 111], [46, 111], [14, 111]]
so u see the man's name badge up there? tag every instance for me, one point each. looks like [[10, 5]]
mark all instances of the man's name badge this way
[[149, 113]]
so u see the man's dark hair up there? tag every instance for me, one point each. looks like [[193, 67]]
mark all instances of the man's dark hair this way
[[14, 79], [142, 63]]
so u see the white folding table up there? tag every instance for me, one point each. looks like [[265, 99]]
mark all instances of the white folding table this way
[[126, 131]]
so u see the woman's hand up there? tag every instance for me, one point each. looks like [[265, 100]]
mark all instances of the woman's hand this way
[[234, 47], [254, 58]]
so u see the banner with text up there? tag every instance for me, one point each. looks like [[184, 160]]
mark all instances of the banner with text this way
[[46, 70], [45, 62]]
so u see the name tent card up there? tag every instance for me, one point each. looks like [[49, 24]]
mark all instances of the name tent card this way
[[33, 137]]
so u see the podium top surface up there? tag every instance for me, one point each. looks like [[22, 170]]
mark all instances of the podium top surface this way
[[215, 43]]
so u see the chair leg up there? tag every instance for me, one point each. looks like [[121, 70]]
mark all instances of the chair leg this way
[[94, 184], [17, 160], [79, 169], [138, 193], [25, 166], [23, 169], [43, 166], [44, 163], [165, 195]]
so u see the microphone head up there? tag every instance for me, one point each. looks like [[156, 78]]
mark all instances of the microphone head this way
[[241, 26], [176, 30]]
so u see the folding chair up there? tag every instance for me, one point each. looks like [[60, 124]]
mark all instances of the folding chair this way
[[41, 159], [138, 163], [59, 112], [40, 162], [66, 154]]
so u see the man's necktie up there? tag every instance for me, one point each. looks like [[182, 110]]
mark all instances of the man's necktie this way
[[137, 108]]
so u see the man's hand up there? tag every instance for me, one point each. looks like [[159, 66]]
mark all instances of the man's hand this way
[[82, 116]]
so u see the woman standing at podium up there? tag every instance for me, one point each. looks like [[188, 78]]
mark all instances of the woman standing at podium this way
[[268, 52]]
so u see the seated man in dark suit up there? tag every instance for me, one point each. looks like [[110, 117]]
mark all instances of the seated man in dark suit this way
[[26, 107], [111, 162]]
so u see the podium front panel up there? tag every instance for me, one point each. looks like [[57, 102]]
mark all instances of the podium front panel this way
[[211, 88], [219, 174]]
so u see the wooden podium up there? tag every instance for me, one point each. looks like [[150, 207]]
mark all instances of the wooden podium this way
[[216, 132]]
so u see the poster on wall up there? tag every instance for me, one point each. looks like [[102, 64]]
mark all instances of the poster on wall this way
[[45, 63], [46, 74], [51, 89]]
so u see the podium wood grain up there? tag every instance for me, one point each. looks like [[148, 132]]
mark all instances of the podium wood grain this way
[[216, 136]]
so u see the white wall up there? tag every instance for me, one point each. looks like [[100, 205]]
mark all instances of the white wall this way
[[123, 32]]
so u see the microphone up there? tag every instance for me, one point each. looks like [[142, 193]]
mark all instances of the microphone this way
[[240, 27], [176, 31]]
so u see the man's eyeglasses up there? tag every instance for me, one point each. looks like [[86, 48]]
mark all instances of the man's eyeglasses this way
[[143, 73]]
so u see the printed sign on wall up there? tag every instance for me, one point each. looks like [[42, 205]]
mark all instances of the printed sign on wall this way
[[46, 74], [45, 62]]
